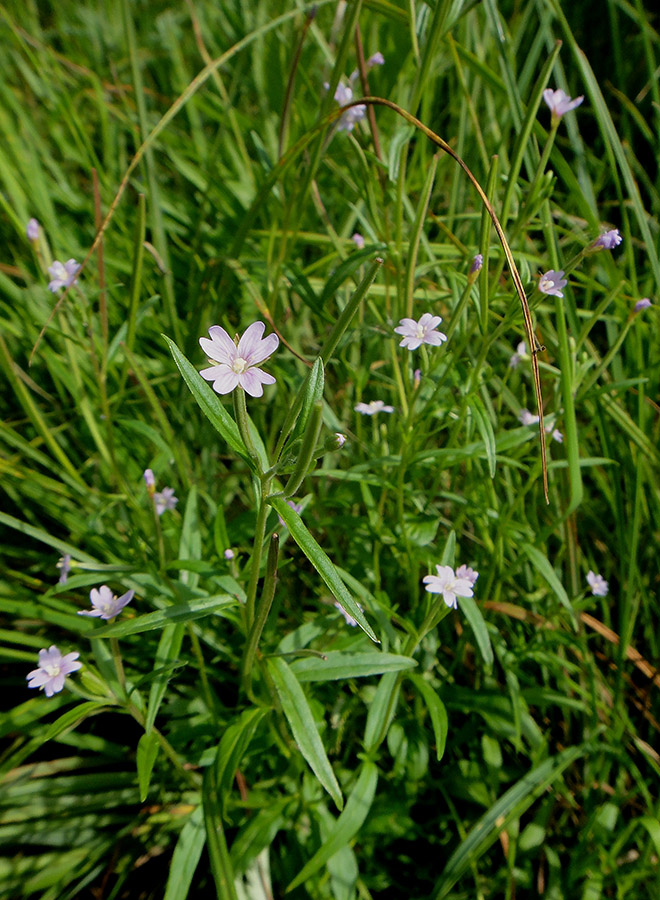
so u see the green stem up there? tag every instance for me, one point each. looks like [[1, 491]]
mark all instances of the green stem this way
[[257, 549], [119, 666], [263, 609], [240, 411]]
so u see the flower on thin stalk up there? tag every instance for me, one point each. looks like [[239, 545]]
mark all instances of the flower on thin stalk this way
[[165, 499], [63, 274], [552, 283], [229, 554], [525, 417], [608, 241], [238, 362], [423, 332], [348, 119], [560, 103], [32, 230], [477, 263], [518, 356], [644, 303], [373, 407], [53, 668], [376, 59], [150, 481], [347, 616], [358, 240], [450, 584], [105, 605], [599, 587], [64, 565]]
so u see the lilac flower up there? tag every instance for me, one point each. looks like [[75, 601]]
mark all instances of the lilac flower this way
[[347, 616], [63, 274], [238, 363], [53, 667], [229, 554], [165, 499], [644, 303], [552, 282], [417, 377], [608, 241], [557, 436], [104, 603], [375, 406], [559, 102], [477, 263], [296, 507], [32, 230], [467, 572], [348, 119], [358, 240], [527, 418], [376, 59], [599, 587], [423, 332], [341, 439], [64, 565], [519, 355], [449, 584], [150, 481]]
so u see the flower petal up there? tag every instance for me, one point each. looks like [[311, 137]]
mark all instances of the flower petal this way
[[267, 347], [252, 380], [224, 379], [221, 348], [251, 339]]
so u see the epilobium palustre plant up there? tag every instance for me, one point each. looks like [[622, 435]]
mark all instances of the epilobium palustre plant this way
[[328, 492]]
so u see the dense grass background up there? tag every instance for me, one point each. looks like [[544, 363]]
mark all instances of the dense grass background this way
[[545, 695]]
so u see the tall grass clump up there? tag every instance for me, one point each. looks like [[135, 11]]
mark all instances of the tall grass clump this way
[[366, 608]]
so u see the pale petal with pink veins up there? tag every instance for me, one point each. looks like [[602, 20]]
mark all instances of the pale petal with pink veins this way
[[252, 381], [251, 339]]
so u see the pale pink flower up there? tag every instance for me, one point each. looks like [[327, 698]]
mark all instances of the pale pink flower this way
[[348, 119], [477, 263], [423, 332], [552, 282], [644, 303], [53, 668], [599, 587], [519, 355], [229, 554], [358, 240], [376, 59], [341, 439], [347, 616], [63, 274], [466, 572], [32, 230], [149, 480], [608, 241], [64, 565], [105, 605], [164, 500], [559, 102], [527, 418], [237, 364], [449, 584], [375, 406]]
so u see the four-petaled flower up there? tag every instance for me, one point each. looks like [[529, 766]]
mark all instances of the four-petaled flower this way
[[449, 584], [104, 603], [348, 119], [376, 59], [527, 418], [423, 332], [559, 102], [165, 499], [644, 303], [552, 283], [358, 240], [477, 263], [53, 667], [238, 362], [599, 587], [608, 241], [375, 406], [32, 230], [62, 274], [519, 355]]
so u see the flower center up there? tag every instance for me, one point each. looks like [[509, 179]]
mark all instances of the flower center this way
[[239, 365], [52, 669], [546, 284], [420, 330]]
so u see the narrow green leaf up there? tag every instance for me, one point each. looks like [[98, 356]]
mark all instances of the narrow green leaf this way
[[221, 867], [347, 825], [303, 727], [168, 651], [338, 664], [147, 751], [510, 806], [186, 856], [437, 712], [542, 565], [382, 709], [180, 612], [473, 614], [485, 428], [321, 563], [231, 750]]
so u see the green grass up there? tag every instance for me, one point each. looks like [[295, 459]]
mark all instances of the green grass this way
[[230, 734]]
